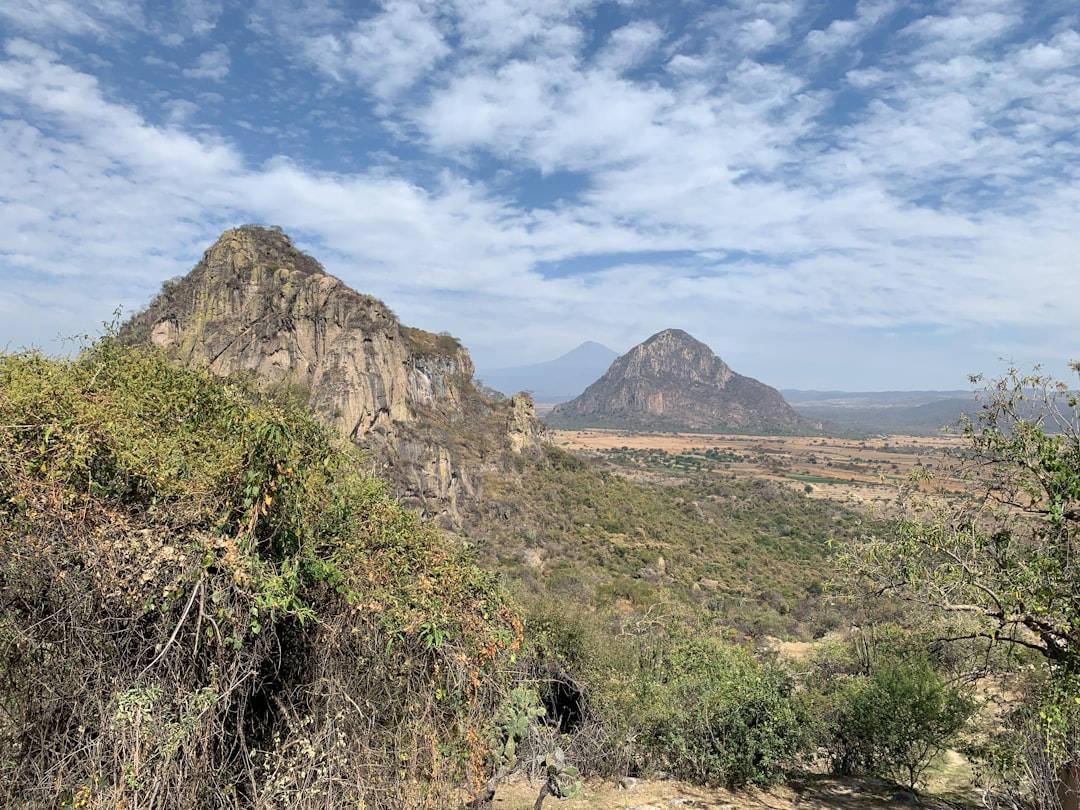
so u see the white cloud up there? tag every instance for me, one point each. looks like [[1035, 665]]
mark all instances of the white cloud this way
[[960, 32], [180, 110], [212, 64], [72, 17], [200, 16], [387, 52], [929, 192], [498, 29], [842, 34], [629, 45], [838, 35], [757, 35]]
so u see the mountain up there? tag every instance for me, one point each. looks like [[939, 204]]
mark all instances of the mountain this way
[[914, 413], [870, 399], [256, 305], [555, 380], [674, 382]]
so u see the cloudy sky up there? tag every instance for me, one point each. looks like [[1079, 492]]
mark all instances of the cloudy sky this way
[[863, 195]]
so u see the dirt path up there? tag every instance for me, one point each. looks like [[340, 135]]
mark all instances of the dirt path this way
[[807, 793]]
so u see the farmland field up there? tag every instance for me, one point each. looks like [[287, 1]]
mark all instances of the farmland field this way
[[868, 472]]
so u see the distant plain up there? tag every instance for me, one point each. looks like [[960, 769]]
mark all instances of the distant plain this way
[[866, 472]]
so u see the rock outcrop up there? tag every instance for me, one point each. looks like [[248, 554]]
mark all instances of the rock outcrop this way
[[674, 382], [255, 304]]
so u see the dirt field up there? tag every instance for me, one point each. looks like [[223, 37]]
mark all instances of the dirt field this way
[[866, 472]]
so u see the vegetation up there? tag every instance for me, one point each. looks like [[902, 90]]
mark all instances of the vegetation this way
[[205, 603], [744, 554], [664, 695], [425, 343], [894, 722], [716, 715], [697, 460], [1005, 563]]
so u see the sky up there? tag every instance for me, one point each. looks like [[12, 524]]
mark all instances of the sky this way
[[870, 195]]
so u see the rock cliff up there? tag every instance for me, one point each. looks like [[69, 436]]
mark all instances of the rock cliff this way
[[674, 382], [255, 304]]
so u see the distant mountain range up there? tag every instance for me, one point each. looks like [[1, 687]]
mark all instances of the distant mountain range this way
[[870, 399], [921, 413], [557, 380]]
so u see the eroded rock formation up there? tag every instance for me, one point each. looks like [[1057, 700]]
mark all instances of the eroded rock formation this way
[[255, 304]]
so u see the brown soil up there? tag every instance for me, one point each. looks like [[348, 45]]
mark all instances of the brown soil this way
[[808, 792]]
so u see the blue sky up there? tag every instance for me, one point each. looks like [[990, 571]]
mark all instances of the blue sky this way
[[853, 195]]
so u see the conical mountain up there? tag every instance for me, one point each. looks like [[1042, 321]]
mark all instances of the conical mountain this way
[[674, 382], [554, 380], [256, 304]]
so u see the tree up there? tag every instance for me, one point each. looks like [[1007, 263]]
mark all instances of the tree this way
[[1006, 557], [895, 722]]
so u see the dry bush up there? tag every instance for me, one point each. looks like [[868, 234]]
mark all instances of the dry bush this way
[[205, 603]]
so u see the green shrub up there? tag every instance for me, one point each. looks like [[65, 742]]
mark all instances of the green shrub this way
[[895, 722], [719, 716]]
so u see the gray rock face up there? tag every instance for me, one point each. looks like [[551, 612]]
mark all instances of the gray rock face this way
[[256, 304], [674, 382]]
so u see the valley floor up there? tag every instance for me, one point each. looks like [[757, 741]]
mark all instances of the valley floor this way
[[868, 472]]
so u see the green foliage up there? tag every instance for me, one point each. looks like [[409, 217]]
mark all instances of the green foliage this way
[[511, 725], [665, 695], [515, 733], [894, 722], [719, 716], [205, 602], [1006, 557], [1026, 762], [695, 460], [740, 553]]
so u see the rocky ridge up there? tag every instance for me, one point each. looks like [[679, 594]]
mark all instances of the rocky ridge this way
[[256, 304], [675, 382]]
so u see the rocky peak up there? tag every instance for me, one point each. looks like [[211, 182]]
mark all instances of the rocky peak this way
[[674, 354], [674, 382], [255, 304]]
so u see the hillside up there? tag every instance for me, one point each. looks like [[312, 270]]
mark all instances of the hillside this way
[[674, 382], [256, 305], [742, 553], [206, 602]]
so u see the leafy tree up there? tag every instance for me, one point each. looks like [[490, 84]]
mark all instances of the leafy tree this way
[[1004, 562], [895, 722], [1007, 556], [720, 716]]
